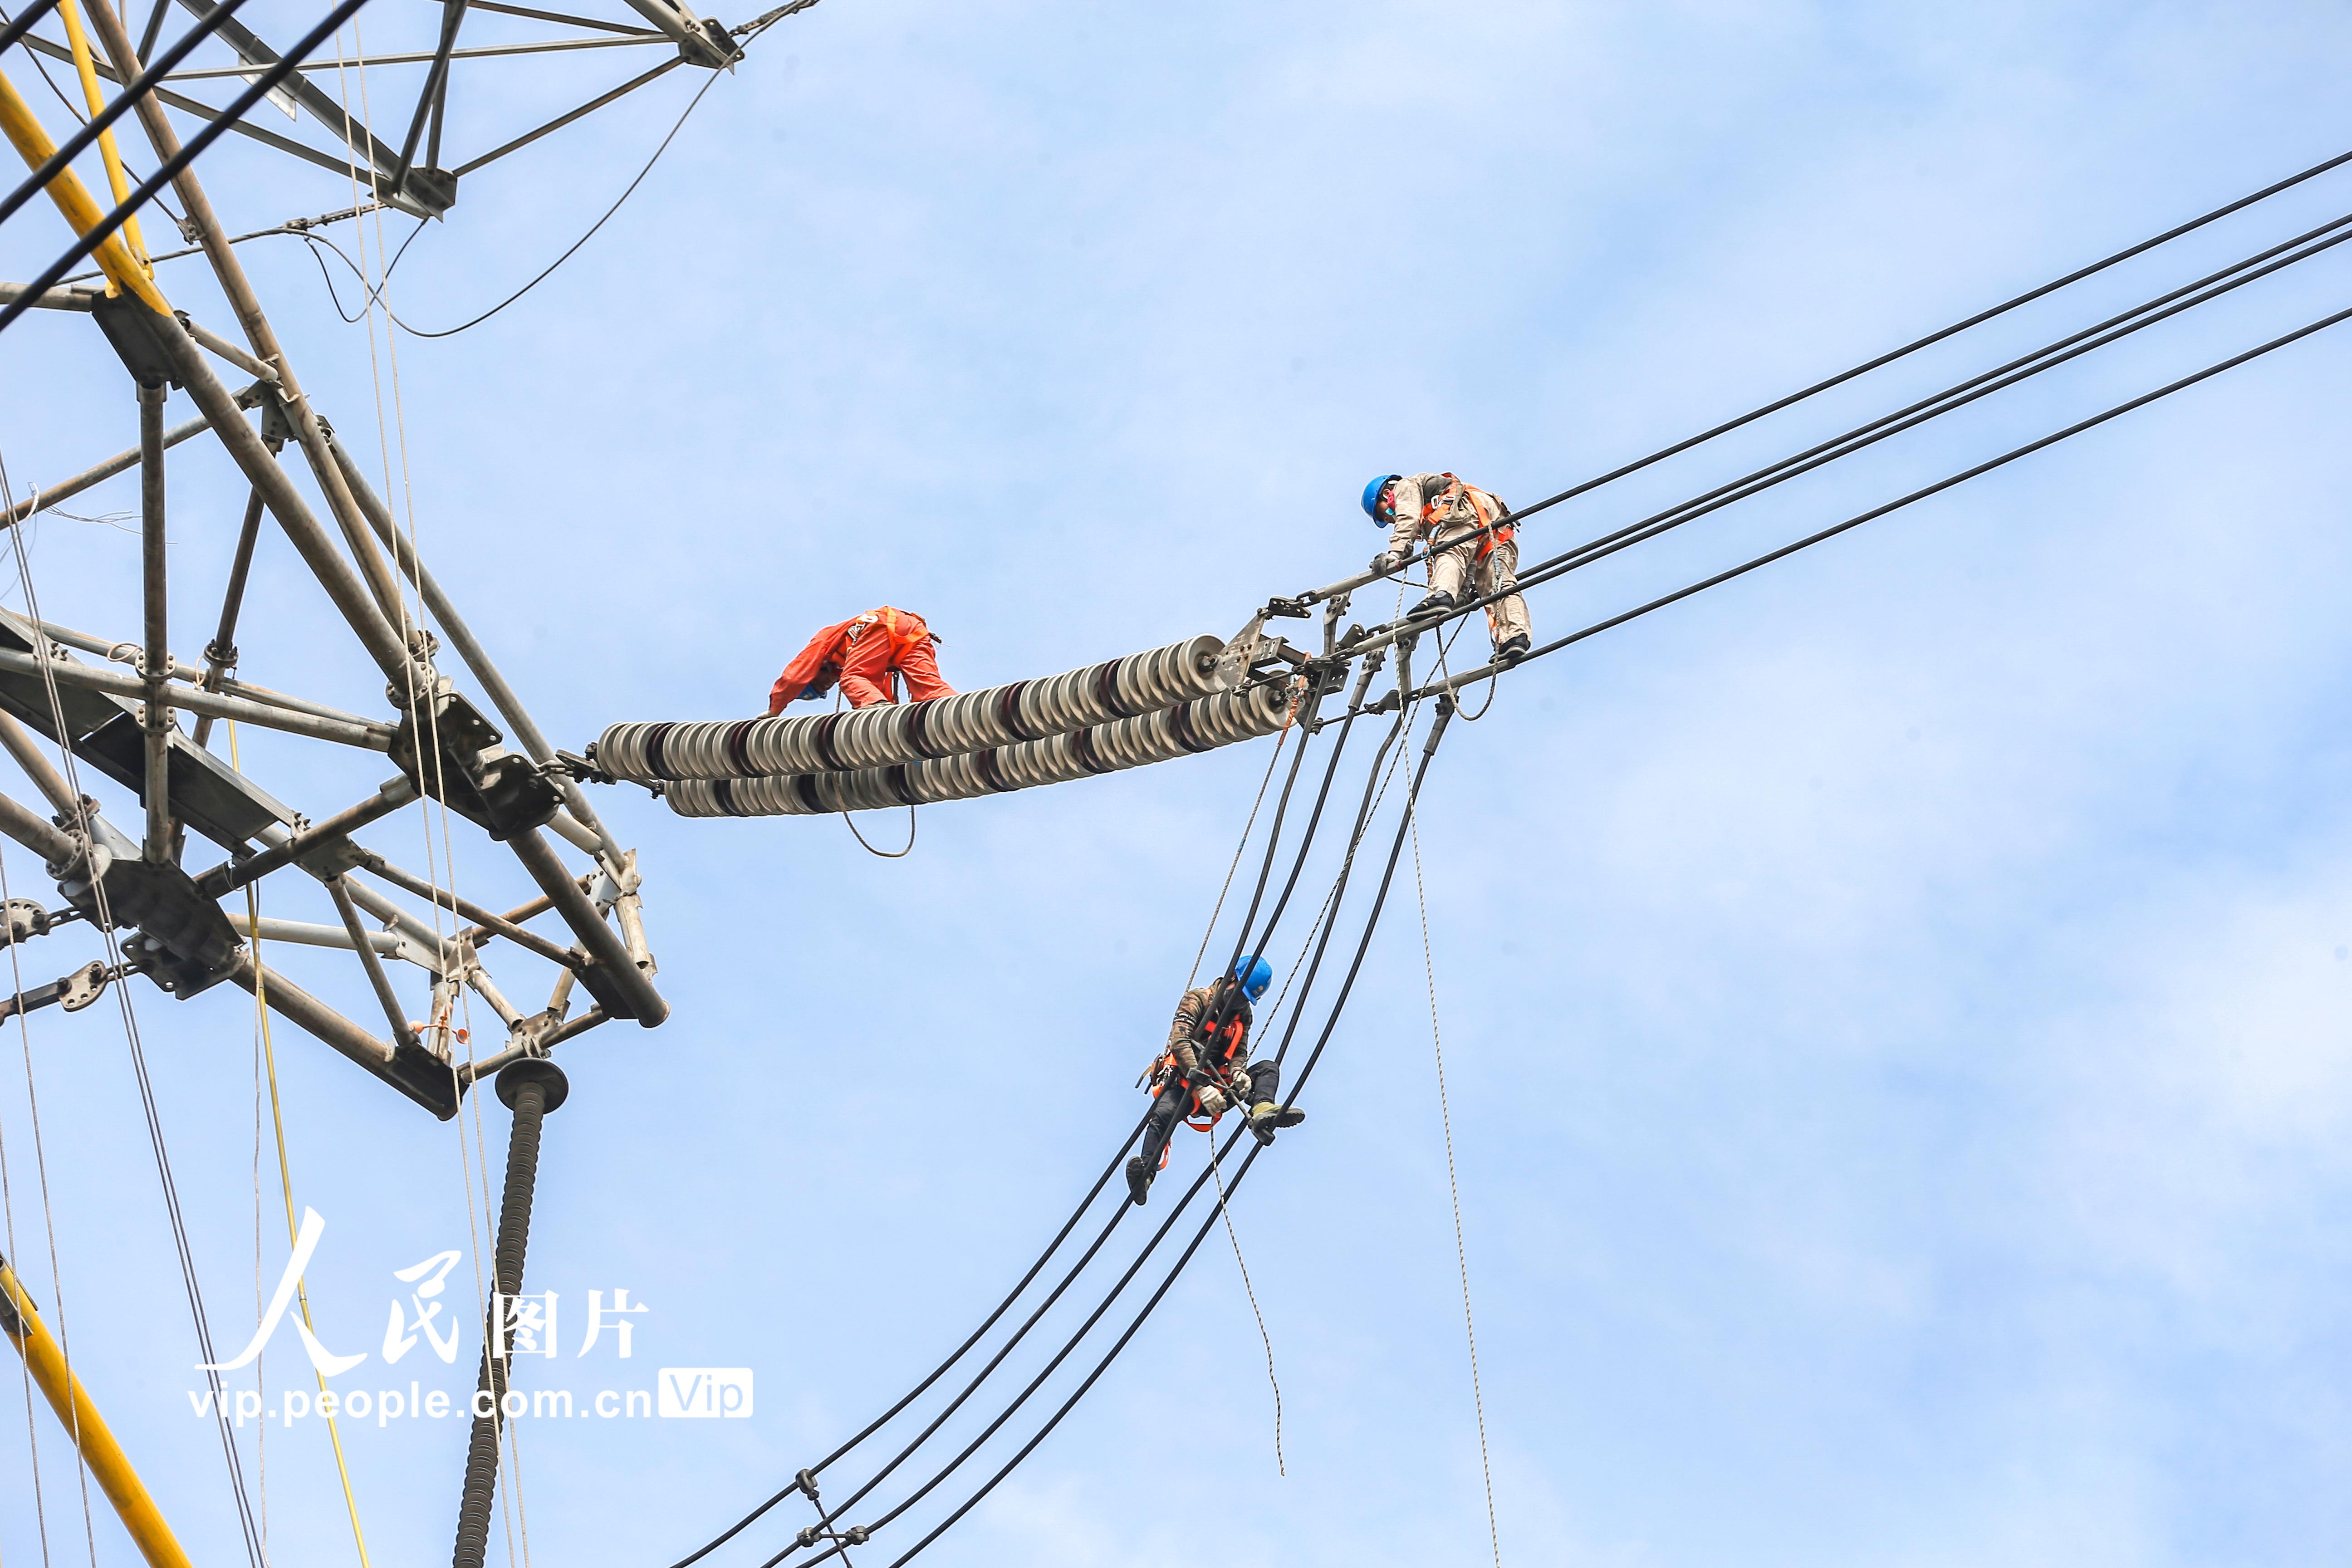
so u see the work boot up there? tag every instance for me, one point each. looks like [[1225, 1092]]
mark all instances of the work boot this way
[[1514, 648], [1139, 1179], [1265, 1117], [1437, 603]]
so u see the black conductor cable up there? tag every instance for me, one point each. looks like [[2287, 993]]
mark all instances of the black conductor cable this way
[[1919, 495], [1510, 518], [2073, 346], [123, 104], [1331, 1023], [937, 1372], [2188, 297], [212, 133], [1079, 1336], [2077, 276]]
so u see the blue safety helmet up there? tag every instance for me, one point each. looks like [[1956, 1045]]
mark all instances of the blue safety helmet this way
[[1373, 495], [1255, 974]]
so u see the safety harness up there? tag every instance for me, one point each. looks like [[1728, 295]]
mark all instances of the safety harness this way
[[1220, 1024], [1485, 506]]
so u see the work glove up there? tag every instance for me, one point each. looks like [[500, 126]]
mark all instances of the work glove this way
[[1387, 560], [1212, 1101]]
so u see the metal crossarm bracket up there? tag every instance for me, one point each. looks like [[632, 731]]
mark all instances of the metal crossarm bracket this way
[[473, 772], [129, 324], [700, 41], [106, 732], [185, 941]]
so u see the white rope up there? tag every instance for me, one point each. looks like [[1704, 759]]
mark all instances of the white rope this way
[[1217, 1177], [454, 956], [1453, 1183]]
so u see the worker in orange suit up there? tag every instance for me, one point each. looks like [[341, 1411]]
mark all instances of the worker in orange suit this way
[[866, 654]]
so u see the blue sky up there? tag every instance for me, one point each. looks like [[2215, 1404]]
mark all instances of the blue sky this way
[[1892, 1004]]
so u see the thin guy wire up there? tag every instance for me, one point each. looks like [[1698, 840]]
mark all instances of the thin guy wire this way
[[105, 923], [1239, 849], [40, 1158], [8, 1213]]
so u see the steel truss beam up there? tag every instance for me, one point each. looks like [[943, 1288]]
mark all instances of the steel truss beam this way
[[184, 938]]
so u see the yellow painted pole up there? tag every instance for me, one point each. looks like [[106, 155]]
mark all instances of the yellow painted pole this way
[[73, 199], [86, 66], [99, 1451]]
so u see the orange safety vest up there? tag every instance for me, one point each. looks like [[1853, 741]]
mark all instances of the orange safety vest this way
[[1219, 1046], [1487, 507]]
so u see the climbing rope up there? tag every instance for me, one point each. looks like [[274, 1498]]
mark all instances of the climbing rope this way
[[1453, 1187], [1248, 1290], [453, 957]]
